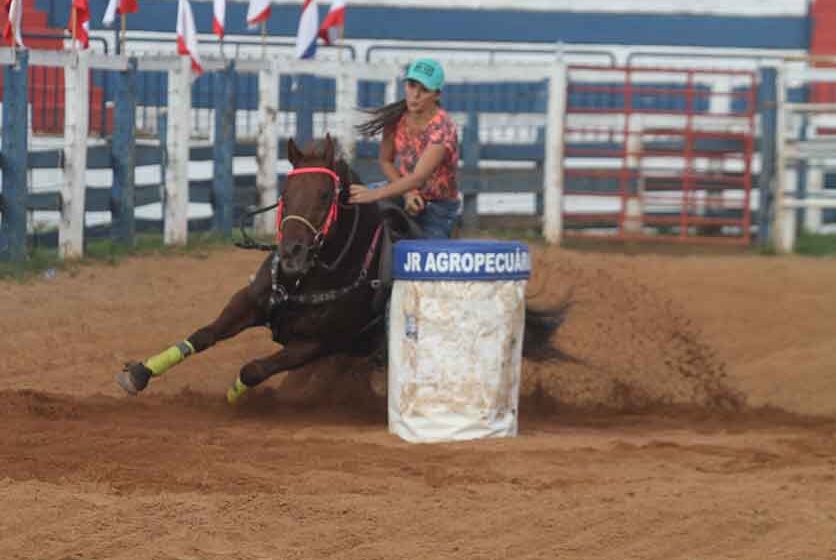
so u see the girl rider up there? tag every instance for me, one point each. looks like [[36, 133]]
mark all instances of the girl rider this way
[[419, 153]]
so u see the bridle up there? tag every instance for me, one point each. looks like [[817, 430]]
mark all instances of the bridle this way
[[279, 294], [319, 233]]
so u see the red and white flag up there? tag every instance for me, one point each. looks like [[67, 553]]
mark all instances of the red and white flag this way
[[118, 7], [333, 25], [187, 35], [257, 12], [307, 31], [82, 22], [218, 17], [11, 32]]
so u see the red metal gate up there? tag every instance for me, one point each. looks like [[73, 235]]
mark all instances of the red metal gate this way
[[659, 153]]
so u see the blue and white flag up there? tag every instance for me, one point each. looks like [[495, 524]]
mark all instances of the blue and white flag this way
[[308, 30]]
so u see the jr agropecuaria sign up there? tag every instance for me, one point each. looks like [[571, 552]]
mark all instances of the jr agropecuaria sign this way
[[465, 260]]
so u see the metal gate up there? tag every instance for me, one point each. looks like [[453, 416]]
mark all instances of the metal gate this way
[[658, 153]]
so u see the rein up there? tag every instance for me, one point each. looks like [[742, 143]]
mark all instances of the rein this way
[[280, 294]]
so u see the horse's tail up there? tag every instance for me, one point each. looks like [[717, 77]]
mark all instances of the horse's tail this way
[[540, 325]]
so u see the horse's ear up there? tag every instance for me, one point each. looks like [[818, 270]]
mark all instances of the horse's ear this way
[[294, 155], [329, 151]]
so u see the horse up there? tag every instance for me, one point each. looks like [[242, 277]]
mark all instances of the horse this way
[[324, 287]]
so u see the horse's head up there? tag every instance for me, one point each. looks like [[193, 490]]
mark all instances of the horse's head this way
[[308, 208]]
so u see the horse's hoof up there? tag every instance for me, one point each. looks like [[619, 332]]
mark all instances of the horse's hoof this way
[[134, 378], [235, 393]]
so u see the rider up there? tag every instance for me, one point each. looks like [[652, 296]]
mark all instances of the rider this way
[[419, 153]]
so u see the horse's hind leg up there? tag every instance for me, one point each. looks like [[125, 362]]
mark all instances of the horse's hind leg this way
[[295, 354], [247, 308]]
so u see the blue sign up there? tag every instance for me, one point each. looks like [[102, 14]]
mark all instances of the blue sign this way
[[461, 260]]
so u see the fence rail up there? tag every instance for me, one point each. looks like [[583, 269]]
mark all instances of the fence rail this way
[[538, 128], [321, 95]]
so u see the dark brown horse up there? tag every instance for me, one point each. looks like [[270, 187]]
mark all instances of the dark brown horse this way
[[322, 290]]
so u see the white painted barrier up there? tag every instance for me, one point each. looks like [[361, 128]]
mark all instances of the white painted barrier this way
[[819, 152], [176, 203], [73, 187], [456, 324]]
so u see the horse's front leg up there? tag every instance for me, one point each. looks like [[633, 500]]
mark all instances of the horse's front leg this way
[[247, 308], [295, 354]]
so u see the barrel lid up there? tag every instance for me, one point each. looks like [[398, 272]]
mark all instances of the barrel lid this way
[[433, 259]]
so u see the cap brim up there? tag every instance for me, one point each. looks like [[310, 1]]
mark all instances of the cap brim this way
[[423, 81]]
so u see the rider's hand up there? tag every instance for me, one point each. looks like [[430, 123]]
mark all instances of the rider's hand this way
[[361, 194], [413, 203]]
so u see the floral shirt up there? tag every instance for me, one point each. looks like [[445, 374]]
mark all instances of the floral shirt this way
[[409, 146]]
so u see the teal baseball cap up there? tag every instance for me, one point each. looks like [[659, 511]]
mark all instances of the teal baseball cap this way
[[428, 72]]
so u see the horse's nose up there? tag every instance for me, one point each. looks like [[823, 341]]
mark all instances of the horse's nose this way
[[293, 258], [297, 250]]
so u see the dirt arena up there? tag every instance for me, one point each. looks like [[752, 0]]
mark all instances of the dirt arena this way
[[695, 421]]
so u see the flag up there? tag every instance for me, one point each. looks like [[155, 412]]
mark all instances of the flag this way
[[187, 35], [306, 34], [334, 22], [11, 33], [257, 12], [118, 7], [218, 17], [82, 22]]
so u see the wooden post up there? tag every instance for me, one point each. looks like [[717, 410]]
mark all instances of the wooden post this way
[[74, 186], [346, 106], [123, 155], [783, 219], [224, 148], [305, 108], [268, 148], [815, 186], [553, 159], [470, 162], [176, 203], [13, 158], [768, 112]]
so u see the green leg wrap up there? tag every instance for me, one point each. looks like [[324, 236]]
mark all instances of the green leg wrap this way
[[234, 393], [160, 363]]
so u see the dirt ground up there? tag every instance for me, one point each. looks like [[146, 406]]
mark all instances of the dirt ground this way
[[694, 421]]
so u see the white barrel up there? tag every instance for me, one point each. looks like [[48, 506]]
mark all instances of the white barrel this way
[[456, 322]]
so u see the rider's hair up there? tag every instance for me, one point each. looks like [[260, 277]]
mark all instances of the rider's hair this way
[[382, 118]]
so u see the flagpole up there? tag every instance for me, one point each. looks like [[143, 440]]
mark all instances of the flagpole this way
[[73, 24], [122, 33], [264, 39]]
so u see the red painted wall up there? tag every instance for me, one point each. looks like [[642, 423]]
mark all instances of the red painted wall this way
[[823, 42]]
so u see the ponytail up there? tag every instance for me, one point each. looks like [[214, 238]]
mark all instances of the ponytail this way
[[382, 118]]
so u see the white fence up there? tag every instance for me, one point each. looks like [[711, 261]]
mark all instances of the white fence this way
[[76, 66], [805, 140]]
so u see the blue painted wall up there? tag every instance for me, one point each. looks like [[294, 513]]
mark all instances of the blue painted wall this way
[[488, 25]]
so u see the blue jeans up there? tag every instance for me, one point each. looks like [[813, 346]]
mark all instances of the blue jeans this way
[[439, 218]]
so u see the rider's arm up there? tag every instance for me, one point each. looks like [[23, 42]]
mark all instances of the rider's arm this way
[[427, 164]]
